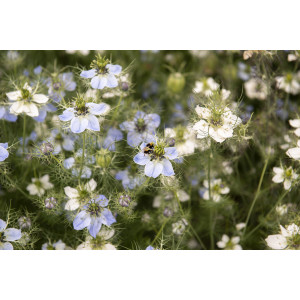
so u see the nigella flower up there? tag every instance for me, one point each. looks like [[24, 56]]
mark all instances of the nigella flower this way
[[102, 73], [100, 242], [217, 188], [3, 152], [80, 195], [113, 135], [93, 215], [129, 180], [43, 112], [8, 235], [229, 243], [25, 100], [61, 141], [156, 159], [256, 88], [289, 83], [178, 228], [83, 115], [206, 86], [59, 84], [74, 163], [39, 185], [59, 245], [285, 175], [141, 129], [216, 122], [6, 115]]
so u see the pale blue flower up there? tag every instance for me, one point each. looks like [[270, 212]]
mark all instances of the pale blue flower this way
[[3, 152], [141, 129], [43, 112], [113, 135], [80, 121], [93, 215], [150, 248], [156, 161], [100, 79], [8, 235], [57, 86], [129, 181], [6, 115], [61, 141]]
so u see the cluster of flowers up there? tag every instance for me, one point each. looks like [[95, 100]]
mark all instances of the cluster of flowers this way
[[79, 150]]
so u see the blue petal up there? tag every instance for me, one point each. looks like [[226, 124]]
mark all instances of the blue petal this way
[[99, 82], [70, 86], [37, 70], [114, 69], [119, 176], [2, 112], [127, 126], [93, 123], [97, 109], [134, 138], [88, 74], [139, 115], [79, 124], [42, 115], [108, 217], [12, 234], [2, 225], [150, 248], [4, 145], [115, 134], [69, 162], [167, 168], [82, 220], [111, 81], [94, 227], [141, 159], [68, 144], [3, 153], [6, 246], [67, 115], [102, 200], [171, 153], [153, 169], [152, 120]]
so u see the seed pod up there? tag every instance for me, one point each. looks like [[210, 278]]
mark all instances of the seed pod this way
[[124, 200], [176, 83], [168, 212], [24, 222]]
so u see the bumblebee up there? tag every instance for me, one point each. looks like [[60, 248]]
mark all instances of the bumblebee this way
[[149, 148]]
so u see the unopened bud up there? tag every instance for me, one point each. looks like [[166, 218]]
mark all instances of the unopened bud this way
[[50, 202], [124, 200], [176, 83], [24, 222], [47, 148], [168, 212]]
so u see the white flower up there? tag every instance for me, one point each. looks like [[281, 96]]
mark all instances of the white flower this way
[[39, 185], [79, 195], [294, 152], [216, 123], [217, 188], [206, 86], [59, 245], [289, 83], [287, 176], [25, 100], [240, 226], [280, 241], [185, 140], [179, 227], [296, 124], [99, 243], [256, 89], [229, 244], [282, 209]]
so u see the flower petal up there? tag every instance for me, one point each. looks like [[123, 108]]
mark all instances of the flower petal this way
[[108, 217], [94, 226], [98, 82], [93, 123], [6, 246], [171, 153], [167, 168], [2, 225], [141, 159], [40, 98], [97, 109], [88, 74], [153, 169], [3, 153], [71, 192], [114, 69], [72, 204], [79, 124], [82, 220], [67, 115], [111, 81], [12, 234], [102, 200]]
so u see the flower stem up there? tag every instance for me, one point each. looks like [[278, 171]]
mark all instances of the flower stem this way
[[24, 133], [256, 195], [160, 231], [211, 225], [117, 108], [82, 157]]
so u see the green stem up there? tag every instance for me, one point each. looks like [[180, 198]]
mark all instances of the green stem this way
[[256, 195], [211, 225], [117, 108], [260, 224], [82, 157], [160, 231], [24, 133]]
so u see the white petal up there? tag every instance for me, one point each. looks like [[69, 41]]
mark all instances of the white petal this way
[[39, 98]]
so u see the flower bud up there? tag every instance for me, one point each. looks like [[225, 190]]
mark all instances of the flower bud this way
[[50, 202], [47, 148], [168, 212], [103, 158], [175, 83], [124, 86], [124, 200], [24, 222]]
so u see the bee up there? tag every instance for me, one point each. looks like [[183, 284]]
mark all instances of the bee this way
[[149, 148]]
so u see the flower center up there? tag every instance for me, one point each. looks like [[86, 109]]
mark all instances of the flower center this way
[[83, 195], [140, 125], [216, 118], [94, 209], [56, 86], [80, 107], [25, 95], [100, 64]]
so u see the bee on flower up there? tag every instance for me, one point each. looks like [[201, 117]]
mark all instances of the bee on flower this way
[[26, 101], [285, 175], [156, 156]]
